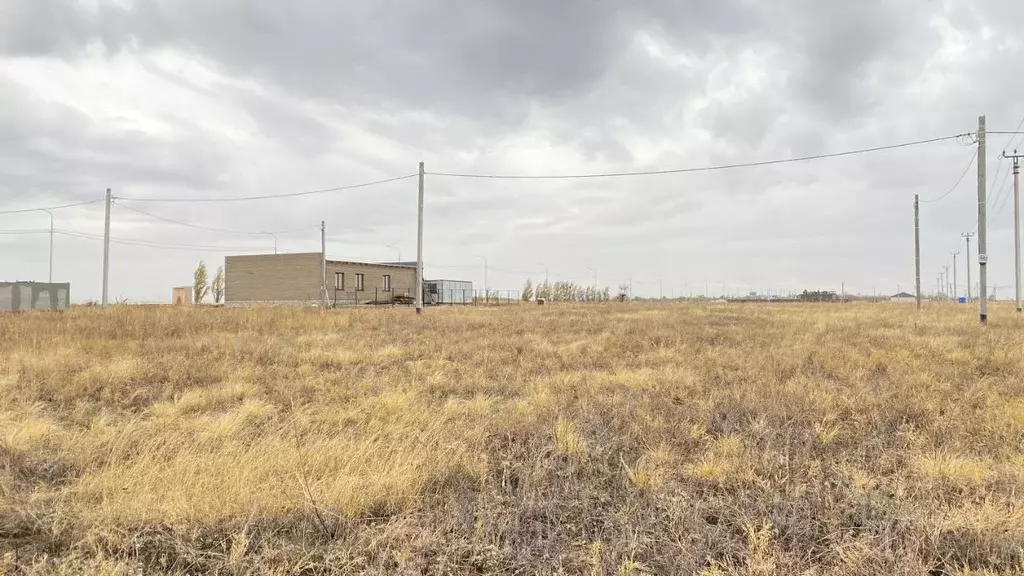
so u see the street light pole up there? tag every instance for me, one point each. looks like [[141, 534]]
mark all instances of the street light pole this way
[[51, 242], [487, 290], [274, 236], [396, 249]]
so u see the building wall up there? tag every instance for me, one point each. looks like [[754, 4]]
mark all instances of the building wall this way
[[403, 282], [296, 278], [182, 295], [34, 296], [272, 278]]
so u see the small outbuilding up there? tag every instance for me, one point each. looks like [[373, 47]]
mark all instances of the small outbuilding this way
[[182, 295], [18, 296], [903, 297]]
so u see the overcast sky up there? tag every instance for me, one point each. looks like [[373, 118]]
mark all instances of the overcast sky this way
[[229, 98]]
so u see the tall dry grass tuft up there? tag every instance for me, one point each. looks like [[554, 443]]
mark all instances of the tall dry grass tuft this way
[[613, 439]]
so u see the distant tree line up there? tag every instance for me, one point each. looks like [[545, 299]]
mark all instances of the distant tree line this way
[[564, 292], [818, 296], [201, 288]]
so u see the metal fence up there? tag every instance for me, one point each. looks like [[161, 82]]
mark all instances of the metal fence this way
[[375, 297], [497, 297], [446, 297], [450, 297]]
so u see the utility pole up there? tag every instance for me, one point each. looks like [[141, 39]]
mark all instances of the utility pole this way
[[396, 249], [967, 236], [106, 249], [917, 248], [982, 225], [323, 262], [945, 282], [955, 254], [1016, 220], [274, 236], [487, 290], [419, 250], [51, 242]]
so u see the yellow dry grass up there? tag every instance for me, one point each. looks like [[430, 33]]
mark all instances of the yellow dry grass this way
[[611, 439]]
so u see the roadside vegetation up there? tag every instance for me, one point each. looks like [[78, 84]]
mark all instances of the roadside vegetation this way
[[572, 438]]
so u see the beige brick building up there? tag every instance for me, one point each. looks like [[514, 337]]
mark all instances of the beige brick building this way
[[295, 278]]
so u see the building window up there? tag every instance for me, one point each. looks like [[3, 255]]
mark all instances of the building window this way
[[359, 282], [387, 283], [339, 280]]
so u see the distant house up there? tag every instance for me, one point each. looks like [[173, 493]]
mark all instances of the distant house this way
[[903, 297], [297, 279]]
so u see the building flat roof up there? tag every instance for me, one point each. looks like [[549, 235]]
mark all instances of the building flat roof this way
[[402, 265], [405, 265]]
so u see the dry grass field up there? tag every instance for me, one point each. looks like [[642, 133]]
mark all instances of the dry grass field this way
[[605, 439]]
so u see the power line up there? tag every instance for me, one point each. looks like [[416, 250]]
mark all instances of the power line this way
[[270, 196], [959, 180], [993, 188], [148, 243], [61, 207], [16, 232], [210, 229], [1003, 195], [698, 169]]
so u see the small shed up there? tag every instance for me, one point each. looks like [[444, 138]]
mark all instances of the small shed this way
[[18, 296], [181, 296], [437, 292]]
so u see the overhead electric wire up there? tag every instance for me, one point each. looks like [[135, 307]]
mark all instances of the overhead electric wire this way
[[268, 196], [1004, 196], [997, 189], [211, 229], [696, 169], [43, 209], [16, 232], [149, 243], [961, 179]]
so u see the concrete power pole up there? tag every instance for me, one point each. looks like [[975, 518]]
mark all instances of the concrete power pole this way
[[419, 248], [967, 236], [106, 249], [51, 242], [945, 282], [323, 262], [954, 254], [982, 225], [917, 248], [487, 290], [1016, 221]]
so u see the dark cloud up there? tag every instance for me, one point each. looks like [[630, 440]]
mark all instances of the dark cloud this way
[[314, 93], [60, 151]]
